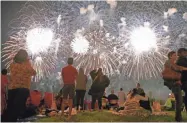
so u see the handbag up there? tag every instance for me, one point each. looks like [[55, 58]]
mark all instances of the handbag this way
[[169, 74]]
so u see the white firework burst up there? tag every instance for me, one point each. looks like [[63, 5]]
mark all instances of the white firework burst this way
[[100, 52], [108, 41], [80, 45]]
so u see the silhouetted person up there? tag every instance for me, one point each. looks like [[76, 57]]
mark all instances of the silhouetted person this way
[[21, 72], [93, 74], [69, 74], [182, 61], [100, 82], [175, 85], [80, 88]]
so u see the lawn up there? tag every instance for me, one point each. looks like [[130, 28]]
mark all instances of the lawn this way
[[105, 116]]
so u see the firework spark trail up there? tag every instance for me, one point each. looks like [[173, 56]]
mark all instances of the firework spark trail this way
[[42, 64], [175, 22], [145, 65], [108, 26], [103, 57], [99, 42], [38, 16], [96, 11], [11, 47]]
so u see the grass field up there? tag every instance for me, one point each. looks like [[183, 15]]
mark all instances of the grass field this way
[[105, 116]]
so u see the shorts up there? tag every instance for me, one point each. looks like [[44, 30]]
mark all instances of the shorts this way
[[68, 90]]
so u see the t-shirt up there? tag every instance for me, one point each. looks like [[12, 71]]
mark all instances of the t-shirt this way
[[69, 74], [20, 75]]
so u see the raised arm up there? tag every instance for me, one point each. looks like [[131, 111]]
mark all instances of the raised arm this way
[[30, 69], [177, 67], [174, 66]]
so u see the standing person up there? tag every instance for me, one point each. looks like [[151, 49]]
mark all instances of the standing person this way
[[140, 91], [175, 86], [69, 74], [182, 61], [93, 74], [21, 72], [98, 88], [80, 88], [4, 83], [121, 96]]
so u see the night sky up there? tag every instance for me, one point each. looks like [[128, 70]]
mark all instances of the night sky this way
[[9, 12]]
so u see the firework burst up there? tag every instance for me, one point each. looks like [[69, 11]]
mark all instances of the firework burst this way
[[99, 54], [106, 34], [146, 40], [35, 34], [43, 62]]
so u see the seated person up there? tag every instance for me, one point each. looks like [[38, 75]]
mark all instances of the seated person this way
[[156, 106], [42, 108], [122, 108], [145, 104], [170, 103], [113, 100], [132, 105]]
